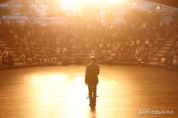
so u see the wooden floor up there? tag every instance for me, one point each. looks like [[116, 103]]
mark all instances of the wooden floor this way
[[60, 92]]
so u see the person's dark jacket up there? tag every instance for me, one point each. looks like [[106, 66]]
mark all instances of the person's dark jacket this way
[[11, 60], [91, 75]]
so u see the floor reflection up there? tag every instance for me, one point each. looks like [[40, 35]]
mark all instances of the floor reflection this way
[[29, 93]]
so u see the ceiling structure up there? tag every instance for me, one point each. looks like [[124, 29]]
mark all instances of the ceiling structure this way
[[173, 3]]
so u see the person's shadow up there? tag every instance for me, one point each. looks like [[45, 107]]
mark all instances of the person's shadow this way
[[93, 112]]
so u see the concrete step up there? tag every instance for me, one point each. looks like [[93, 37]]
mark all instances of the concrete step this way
[[16, 59], [162, 51], [3, 44], [155, 59], [18, 64], [159, 55], [168, 45], [169, 41], [172, 38], [173, 35], [153, 63], [165, 48], [8, 43]]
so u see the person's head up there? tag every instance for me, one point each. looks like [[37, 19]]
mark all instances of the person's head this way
[[92, 59]]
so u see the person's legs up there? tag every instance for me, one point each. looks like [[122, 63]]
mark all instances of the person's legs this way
[[94, 89], [90, 94]]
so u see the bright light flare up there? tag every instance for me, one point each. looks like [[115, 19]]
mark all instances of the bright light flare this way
[[100, 0], [70, 4], [134, 3]]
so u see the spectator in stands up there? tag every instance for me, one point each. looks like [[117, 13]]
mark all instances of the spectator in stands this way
[[132, 57], [54, 61], [11, 60], [113, 46], [57, 50], [12, 43], [40, 61], [29, 58], [176, 52], [5, 60], [34, 58], [1, 55], [48, 61], [120, 57], [138, 42], [16, 37], [92, 53], [44, 60], [145, 55], [155, 49], [117, 52], [142, 48], [132, 43], [5, 52], [100, 46], [23, 59], [109, 52], [170, 57], [99, 58], [65, 60], [175, 61], [147, 43], [105, 59], [81, 51], [139, 61], [78, 60], [12, 32], [163, 60], [110, 60], [19, 49], [2, 49], [137, 52]]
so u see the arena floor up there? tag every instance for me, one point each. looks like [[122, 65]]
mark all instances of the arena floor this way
[[60, 92]]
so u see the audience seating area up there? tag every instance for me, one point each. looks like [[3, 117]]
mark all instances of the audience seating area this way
[[33, 45]]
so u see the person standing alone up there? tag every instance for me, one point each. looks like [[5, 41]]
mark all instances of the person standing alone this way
[[91, 79]]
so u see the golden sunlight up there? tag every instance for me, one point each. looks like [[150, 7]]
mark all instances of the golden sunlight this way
[[70, 4]]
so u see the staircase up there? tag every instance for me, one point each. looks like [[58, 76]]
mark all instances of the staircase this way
[[163, 50]]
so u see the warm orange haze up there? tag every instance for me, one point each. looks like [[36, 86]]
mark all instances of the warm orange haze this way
[[88, 59]]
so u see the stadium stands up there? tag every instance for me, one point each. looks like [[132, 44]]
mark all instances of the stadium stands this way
[[120, 45]]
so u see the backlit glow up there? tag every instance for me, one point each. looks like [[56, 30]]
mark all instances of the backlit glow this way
[[134, 3], [70, 4]]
